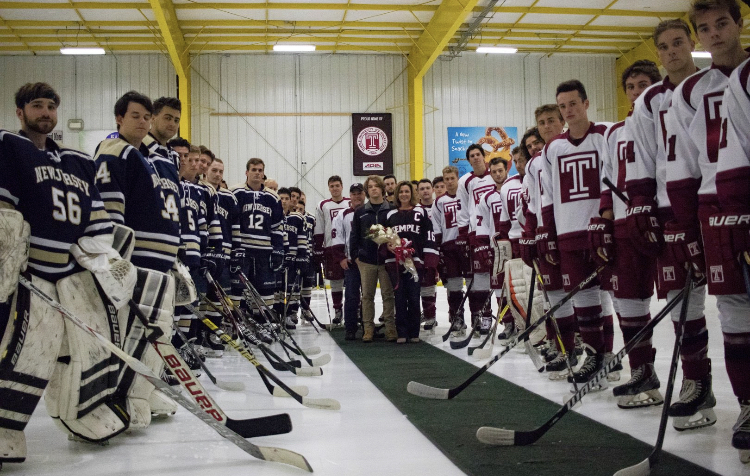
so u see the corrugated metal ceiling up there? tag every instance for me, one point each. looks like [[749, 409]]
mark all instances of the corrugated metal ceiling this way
[[334, 26]]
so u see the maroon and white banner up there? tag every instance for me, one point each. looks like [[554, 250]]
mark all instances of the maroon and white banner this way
[[373, 147]]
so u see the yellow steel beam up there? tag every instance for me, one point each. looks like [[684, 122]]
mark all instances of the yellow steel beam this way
[[449, 16], [166, 17]]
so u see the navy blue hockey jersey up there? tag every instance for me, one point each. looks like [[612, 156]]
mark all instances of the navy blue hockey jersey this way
[[55, 192], [132, 194], [226, 212], [258, 226]]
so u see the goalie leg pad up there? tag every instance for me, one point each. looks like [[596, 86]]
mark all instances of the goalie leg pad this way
[[185, 290], [14, 250], [154, 295], [81, 394], [28, 350], [518, 287]]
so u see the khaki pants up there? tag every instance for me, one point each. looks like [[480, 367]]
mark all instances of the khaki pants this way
[[371, 274]]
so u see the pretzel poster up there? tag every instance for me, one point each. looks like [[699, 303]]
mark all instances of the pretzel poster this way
[[373, 144], [496, 142]]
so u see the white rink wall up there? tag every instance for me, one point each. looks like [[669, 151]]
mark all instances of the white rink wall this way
[[301, 103]]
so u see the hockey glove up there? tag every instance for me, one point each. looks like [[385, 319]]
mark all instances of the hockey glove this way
[[289, 260], [212, 262], [442, 267], [277, 260], [644, 227], [303, 263], [601, 231], [318, 254], [546, 244], [462, 245], [481, 254], [733, 230], [684, 245], [237, 261], [527, 246]]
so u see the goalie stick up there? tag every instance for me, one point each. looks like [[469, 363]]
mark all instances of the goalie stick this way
[[503, 437], [536, 359], [277, 455], [447, 335], [222, 384], [427, 391], [644, 467], [294, 366], [320, 361]]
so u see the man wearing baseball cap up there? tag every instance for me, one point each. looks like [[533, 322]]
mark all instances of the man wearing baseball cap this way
[[340, 248]]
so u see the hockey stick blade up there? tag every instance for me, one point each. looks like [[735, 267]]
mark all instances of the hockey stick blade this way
[[481, 354], [321, 361], [277, 455], [299, 389], [425, 391], [264, 426], [641, 469], [230, 386], [308, 372], [460, 344], [496, 436], [536, 359]]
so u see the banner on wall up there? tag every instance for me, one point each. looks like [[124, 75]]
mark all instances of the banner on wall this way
[[373, 144], [496, 142]]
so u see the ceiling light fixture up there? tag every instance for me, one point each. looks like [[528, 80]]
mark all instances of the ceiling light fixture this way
[[294, 48], [496, 49], [82, 51], [701, 54]]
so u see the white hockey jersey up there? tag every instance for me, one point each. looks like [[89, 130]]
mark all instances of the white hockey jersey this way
[[620, 147], [340, 229], [532, 193], [733, 175], [511, 214], [693, 136], [471, 187], [488, 212], [325, 212], [571, 180], [646, 174], [445, 218]]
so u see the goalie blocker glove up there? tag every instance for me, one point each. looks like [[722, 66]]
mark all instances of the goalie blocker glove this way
[[683, 245], [600, 231], [734, 232], [643, 226]]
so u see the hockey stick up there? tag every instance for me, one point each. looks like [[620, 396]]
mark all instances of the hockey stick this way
[[616, 191], [297, 285], [224, 385], [426, 391], [259, 302], [276, 362], [325, 291], [447, 335], [187, 380], [480, 352], [644, 467], [745, 274], [536, 359], [460, 344], [321, 403], [277, 455], [554, 324], [503, 437]]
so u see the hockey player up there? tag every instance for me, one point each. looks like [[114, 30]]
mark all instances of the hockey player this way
[[733, 187], [371, 265], [297, 261], [257, 238], [308, 279], [390, 189], [572, 191], [412, 224], [550, 124], [445, 228], [632, 283], [471, 187], [48, 205], [340, 231], [428, 289], [325, 212], [487, 276], [695, 133], [438, 186]]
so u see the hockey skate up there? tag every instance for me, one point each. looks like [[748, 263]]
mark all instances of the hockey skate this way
[[485, 326], [593, 363], [458, 328], [429, 324], [741, 429], [642, 390], [557, 367], [307, 315], [696, 397], [169, 378], [338, 318], [215, 346], [189, 358], [614, 374], [263, 332], [509, 331], [289, 323]]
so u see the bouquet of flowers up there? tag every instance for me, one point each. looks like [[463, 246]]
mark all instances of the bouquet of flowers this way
[[400, 247]]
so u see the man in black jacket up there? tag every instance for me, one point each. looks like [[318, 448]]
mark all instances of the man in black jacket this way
[[371, 263]]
